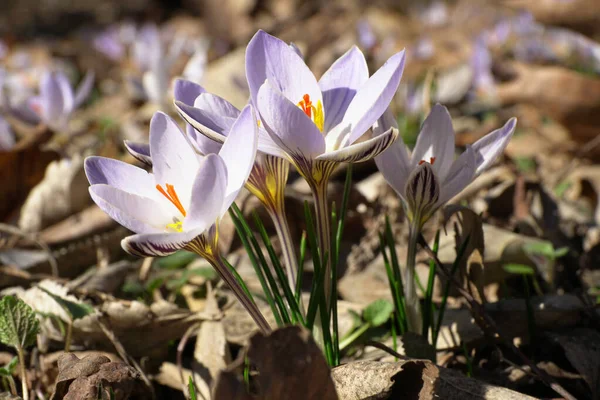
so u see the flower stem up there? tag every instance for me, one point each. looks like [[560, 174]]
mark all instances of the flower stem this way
[[413, 307], [324, 234], [24, 388], [237, 289], [288, 249]]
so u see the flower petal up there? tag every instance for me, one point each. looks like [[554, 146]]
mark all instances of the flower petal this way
[[218, 107], [187, 91], [374, 97], [394, 163], [239, 152], [84, 89], [158, 244], [123, 176], [287, 124], [436, 140], [156, 84], [269, 58], [340, 83], [362, 151], [67, 93], [141, 151], [136, 213], [172, 156], [208, 193], [492, 145], [459, 176], [197, 118], [51, 98], [267, 145], [7, 138]]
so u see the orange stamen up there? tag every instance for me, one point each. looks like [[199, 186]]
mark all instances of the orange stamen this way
[[431, 161], [171, 195], [306, 105]]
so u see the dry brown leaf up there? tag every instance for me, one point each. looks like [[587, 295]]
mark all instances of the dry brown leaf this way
[[21, 169], [412, 380], [81, 379], [62, 192]]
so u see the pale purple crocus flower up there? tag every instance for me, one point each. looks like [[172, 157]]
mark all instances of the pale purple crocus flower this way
[[481, 64], [429, 177], [210, 118], [178, 205], [57, 99], [318, 124]]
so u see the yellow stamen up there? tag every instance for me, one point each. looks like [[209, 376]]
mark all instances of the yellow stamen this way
[[176, 226]]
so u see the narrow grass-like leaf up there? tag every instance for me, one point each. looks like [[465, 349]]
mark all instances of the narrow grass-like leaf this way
[[192, 389], [301, 267], [442, 309], [283, 281], [428, 307], [260, 266], [393, 282], [317, 284]]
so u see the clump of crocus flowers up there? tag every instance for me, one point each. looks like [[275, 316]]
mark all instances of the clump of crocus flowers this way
[[291, 119]]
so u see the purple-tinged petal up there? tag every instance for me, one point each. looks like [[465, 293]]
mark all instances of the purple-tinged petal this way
[[374, 97], [141, 151], [436, 141], [394, 163], [196, 66], [158, 244], [363, 151], [136, 213], [67, 93], [208, 194], [84, 89], [202, 122], [340, 83], [123, 176], [219, 107], [267, 145], [187, 91], [458, 177], [156, 84], [51, 103], [288, 125], [268, 58], [172, 156], [492, 145], [239, 152]]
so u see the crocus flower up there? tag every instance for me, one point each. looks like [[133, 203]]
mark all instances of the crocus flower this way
[[210, 119], [426, 179], [481, 64], [179, 204], [57, 99], [430, 176]]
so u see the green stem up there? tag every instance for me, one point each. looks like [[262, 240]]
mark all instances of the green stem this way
[[323, 218], [288, 250], [413, 307], [23, 373], [11, 383], [348, 340], [68, 336], [239, 292]]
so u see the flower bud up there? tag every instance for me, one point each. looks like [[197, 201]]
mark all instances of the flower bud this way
[[422, 193]]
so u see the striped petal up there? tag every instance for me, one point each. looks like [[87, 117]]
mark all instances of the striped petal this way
[[141, 151], [158, 244], [362, 151]]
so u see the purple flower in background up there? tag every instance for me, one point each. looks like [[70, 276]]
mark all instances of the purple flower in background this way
[[430, 176], [57, 99], [317, 124], [7, 137], [366, 37], [109, 43], [481, 64], [175, 206], [436, 14], [423, 49]]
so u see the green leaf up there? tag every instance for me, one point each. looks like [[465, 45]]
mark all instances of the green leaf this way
[[192, 389], [76, 310], [177, 260], [9, 368], [18, 324], [542, 248], [519, 269], [561, 252], [378, 312]]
